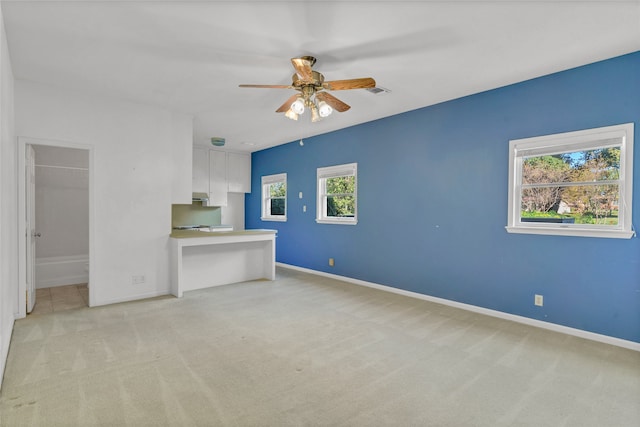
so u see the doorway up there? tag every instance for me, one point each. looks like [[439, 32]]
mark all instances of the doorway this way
[[56, 214]]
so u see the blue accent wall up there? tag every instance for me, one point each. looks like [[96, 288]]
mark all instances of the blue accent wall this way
[[432, 203]]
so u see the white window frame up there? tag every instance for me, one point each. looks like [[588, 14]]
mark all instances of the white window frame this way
[[350, 169], [267, 180], [610, 136]]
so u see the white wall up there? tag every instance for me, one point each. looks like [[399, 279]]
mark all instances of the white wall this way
[[8, 202], [141, 165]]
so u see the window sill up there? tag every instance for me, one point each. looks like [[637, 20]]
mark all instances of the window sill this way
[[571, 231], [336, 221], [271, 218]]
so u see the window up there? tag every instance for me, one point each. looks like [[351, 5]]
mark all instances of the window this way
[[337, 201], [274, 197], [572, 184]]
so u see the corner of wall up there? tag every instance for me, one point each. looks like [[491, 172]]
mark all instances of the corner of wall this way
[[8, 194]]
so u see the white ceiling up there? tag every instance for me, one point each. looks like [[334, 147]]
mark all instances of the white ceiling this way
[[190, 56]]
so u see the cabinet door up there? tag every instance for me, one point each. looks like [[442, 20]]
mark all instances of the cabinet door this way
[[239, 172], [217, 178], [200, 165]]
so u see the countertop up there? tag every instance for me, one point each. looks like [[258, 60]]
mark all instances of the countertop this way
[[189, 234]]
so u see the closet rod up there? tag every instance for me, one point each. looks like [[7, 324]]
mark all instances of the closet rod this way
[[62, 167]]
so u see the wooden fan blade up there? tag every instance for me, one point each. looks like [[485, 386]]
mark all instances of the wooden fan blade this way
[[334, 102], [303, 68], [287, 104], [269, 86], [363, 83]]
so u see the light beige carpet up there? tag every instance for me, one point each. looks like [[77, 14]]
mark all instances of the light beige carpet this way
[[307, 351]]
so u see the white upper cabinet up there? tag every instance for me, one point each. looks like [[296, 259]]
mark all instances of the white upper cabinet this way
[[239, 172], [218, 187], [200, 183], [217, 173]]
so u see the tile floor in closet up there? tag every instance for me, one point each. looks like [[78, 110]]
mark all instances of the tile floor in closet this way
[[61, 298]]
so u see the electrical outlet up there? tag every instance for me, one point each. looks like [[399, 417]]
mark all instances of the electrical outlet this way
[[136, 280], [538, 300], [331, 262]]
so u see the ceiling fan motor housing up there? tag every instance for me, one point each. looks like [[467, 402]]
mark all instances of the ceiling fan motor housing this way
[[316, 82]]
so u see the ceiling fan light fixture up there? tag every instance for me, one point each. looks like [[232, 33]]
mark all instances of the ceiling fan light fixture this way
[[298, 106], [290, 114], [315, 116], [324, 109]]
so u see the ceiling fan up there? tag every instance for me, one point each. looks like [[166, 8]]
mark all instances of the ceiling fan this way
[[311, 85]]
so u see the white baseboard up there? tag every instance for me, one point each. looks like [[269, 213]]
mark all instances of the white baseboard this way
[[131, 298], [631, 345], [62, 281], [61, 270]]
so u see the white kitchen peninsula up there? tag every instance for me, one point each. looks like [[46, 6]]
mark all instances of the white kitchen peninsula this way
[[201, 260]]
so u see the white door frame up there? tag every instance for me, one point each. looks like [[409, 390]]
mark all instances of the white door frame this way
[[30, 228], [21, 309]]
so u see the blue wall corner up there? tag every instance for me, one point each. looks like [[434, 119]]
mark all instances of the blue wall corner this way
[[432, 203]]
